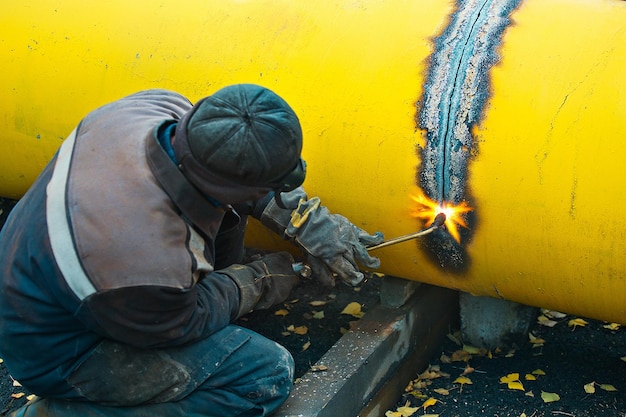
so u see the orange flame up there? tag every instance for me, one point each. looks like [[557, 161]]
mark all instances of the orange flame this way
[[427, 209]]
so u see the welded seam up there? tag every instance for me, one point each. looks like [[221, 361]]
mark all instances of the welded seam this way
[[456, 92]]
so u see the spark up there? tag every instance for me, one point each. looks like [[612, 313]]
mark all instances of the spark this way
[[428, 209]]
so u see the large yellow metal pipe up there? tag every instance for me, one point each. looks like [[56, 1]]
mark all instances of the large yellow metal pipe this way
[[542, 170]]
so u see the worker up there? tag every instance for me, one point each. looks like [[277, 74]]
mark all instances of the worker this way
[[123, 265]]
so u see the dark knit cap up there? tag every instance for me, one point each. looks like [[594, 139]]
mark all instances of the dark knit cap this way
[[243, 134]]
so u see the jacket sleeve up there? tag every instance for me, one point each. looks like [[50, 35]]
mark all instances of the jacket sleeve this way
[[157, 317]]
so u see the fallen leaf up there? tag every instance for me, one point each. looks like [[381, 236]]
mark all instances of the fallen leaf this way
[[301, 330], [530, 394], [429, 402], [442, 391], [509, 378], [318, 315], [536, 341], [538, 372], [623, 358], [553, 314], [513, 382], [612, 326], [317, 303], [471, 349], [468, 370], [445, 359], [319, 368], [530, 377], [608, 387], [573, 323], [545, 321], [17, 395], [353, 309], [31, 397], [462, 380], [460, 356], [392, 414], [549, 397], [407, 411], [16, 383], [306, 346], [281, 312], [455, 338], [286, 333], [590, 388]]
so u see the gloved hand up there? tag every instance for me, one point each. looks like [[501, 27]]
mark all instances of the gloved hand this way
[[332, 244], [263, 283]]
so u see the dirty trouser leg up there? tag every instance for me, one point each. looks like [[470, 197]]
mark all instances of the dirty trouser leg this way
[[235, 372]]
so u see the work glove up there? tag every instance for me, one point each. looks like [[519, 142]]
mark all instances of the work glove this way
[[331, 243], [263, 283]]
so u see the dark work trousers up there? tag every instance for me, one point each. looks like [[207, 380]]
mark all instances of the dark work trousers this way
[[234, 372]]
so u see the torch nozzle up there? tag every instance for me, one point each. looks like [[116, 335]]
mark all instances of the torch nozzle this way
[[440, 219]]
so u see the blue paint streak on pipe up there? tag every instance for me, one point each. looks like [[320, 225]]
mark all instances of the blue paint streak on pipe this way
[[455, 94]]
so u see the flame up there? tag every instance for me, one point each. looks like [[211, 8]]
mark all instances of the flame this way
[[427, 209]]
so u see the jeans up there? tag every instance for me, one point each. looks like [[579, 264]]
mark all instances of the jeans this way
[[233, 372]]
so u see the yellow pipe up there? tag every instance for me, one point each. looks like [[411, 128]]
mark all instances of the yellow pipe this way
[[544, 170]]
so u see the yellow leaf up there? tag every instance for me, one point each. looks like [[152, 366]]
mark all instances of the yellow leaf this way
[[522, 415], [460, 356], [407, 411], [608, 387], [538, 372], [530, 377], [536, 341], [516, 385], [553, 314], [301, 330], [590, 388], [577, 322], [623, 358], [306, 346], [317, 303], [530, 394], [392, 414], [509, 378], [612, 326], [17, 395], [429, 402], [430, 415], [442, 391], [353, 309], [16, 383], [31, 397], [319, 368], [462, 380], [318, 315], [468, 370], [471, 349], [549, 397], [282, 312], [544, 321]]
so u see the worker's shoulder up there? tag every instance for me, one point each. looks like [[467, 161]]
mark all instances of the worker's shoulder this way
[[158, 94]]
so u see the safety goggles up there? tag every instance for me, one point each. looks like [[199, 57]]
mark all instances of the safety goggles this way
[[292, 180]]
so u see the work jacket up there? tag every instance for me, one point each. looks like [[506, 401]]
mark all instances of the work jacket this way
[[110, 242]]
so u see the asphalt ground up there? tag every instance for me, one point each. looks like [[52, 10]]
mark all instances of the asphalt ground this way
[[572, 369]]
